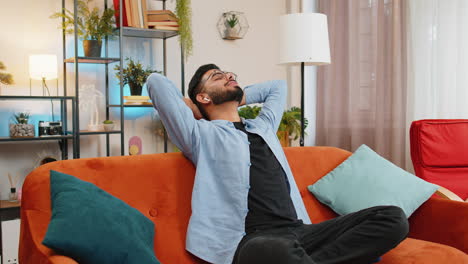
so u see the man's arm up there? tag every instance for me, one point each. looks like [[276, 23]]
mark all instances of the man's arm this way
[[176, 116], [273, 96]]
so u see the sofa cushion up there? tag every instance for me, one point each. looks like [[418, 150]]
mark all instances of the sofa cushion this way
[[414, 251], [366, 179], [92, 226]]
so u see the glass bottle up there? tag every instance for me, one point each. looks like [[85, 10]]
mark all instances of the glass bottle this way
[[13, 195]]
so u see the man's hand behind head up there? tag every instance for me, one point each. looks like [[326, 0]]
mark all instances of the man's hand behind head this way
[[196, 112]]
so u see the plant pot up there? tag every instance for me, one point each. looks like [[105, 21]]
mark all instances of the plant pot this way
[[108, 127], [92, 48], [21, 130], [135, 89], [231, 33], [283, 137]]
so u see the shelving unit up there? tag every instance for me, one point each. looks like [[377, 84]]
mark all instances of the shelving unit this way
[[63, 139], [123, 32]]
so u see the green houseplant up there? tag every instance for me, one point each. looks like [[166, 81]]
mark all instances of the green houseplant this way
[[232, 20], [108, 125], [20, 126], [134, 75], [231, 23], [290, 125], [92, 26], [5, 78], [184, 14]]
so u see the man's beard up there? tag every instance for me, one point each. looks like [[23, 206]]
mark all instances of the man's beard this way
[[227, 96]]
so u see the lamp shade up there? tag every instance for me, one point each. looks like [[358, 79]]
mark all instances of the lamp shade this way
[[43, 66], [304, 38]]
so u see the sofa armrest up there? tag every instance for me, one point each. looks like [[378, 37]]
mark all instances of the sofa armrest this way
[[31, 250], [441, 221]]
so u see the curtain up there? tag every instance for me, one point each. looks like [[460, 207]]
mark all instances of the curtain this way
[[438, 59], [361, 95]]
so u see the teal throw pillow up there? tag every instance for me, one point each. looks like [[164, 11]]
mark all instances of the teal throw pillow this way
[[365, 180], [92, 226]]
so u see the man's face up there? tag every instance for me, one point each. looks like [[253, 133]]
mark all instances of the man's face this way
[[221, 86]]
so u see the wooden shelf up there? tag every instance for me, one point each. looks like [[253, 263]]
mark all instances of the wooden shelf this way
[[8, 139], [4, 204], [99, 132], [92, 60], [133, 105], [28, 97], [148, 33]]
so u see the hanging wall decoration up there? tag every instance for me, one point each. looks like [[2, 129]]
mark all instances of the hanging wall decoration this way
[[232, 25]]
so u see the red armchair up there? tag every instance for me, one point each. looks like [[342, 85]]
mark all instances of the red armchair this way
[[439, 151]]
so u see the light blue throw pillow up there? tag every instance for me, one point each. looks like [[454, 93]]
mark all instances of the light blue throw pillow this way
[[365, 180]]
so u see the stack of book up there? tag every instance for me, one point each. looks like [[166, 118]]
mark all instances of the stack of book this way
[[137, 100], [135, 14], [162, 20]]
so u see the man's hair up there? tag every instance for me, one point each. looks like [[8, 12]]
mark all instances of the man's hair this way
[[194, 87]]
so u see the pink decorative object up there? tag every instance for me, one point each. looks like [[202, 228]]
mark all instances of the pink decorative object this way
[[135, 146]]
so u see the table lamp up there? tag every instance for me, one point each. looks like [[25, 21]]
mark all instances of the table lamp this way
[[43, 67], [304, 39]]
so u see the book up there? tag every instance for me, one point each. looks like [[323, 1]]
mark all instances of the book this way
[[144, 6], [128, 11], [117, 14], [173, 28], [162, 17], [140, 14], [138, 103], [163, 23], [158, 12], [135, 14], [137, 99]]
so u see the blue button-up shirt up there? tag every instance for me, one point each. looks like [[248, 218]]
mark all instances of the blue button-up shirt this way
[[221, 155]]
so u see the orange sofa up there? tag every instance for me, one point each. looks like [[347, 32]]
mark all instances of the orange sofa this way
[[160, 186]]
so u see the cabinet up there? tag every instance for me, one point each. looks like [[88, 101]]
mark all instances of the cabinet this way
[[9, 231], [106, 61]]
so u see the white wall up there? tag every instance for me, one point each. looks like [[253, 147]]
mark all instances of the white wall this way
[[28, 30]]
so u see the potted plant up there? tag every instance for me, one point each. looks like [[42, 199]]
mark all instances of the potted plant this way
[[231, 23], [108, 125], [92, 26], [20, 126], [134, 75], [290, 124], [184, 14], [5, 78]]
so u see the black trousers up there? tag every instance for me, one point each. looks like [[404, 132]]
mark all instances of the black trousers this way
[[357, 238]]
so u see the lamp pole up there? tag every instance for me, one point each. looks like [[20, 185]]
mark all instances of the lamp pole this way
[[301, 141]]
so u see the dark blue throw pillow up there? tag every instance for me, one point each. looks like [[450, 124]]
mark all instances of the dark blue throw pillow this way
[[92, 226]]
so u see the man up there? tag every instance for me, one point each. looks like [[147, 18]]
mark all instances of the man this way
[[246, 207]]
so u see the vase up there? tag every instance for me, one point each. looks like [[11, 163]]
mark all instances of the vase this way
[[92, 48], [135, 89], [21, 130]]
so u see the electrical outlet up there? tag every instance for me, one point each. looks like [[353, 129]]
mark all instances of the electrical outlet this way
[[11, 261]]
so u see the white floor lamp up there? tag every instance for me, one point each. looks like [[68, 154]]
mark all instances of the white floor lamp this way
[[304, 39]]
